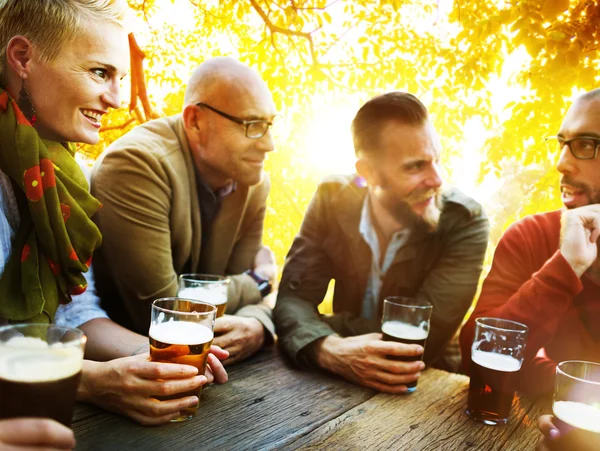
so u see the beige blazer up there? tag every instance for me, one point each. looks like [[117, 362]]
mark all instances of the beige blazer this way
[[151, 227]]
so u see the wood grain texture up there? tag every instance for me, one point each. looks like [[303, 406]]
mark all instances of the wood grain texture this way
[[265, 405], [433, 418]]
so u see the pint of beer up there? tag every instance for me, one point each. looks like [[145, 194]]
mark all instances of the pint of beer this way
[[40, 369], [497, 354], [181, 332], [576, 405], [205, 288], [406, 320]]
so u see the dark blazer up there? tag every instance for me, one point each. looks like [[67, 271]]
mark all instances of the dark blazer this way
[[442, 267]]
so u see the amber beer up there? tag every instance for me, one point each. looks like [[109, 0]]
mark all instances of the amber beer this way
[[182, 342], [205, 288], [39, 377], [493, 385], [218, 299]]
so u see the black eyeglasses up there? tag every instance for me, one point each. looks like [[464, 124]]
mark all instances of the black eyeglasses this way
[[254, 129], [582, 147]]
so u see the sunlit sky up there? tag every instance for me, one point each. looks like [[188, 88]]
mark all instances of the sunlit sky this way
[[326, 136]]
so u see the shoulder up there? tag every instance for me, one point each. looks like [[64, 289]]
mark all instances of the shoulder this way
[[538, 228], [456, 202], [342, 186], [158, 139]]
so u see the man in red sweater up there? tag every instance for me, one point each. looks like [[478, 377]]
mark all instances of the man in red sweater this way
[[546, 268]]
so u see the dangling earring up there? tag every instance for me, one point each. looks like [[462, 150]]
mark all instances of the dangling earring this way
[[25, 104]]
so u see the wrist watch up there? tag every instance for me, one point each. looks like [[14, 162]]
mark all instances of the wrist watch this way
[[264, 286]]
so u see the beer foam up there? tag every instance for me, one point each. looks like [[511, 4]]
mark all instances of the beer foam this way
[[405, 331], [578, 414], [38, 363], [214, 297], [181, 333], [496, 361]]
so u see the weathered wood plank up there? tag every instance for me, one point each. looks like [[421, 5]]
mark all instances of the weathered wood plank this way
[[433, 418], [265, 405]]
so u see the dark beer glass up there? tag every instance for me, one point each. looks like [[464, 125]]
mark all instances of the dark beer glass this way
[[576, 405], [181, 331], [497, 354], [205, 288], [406, 320], [40, 369]]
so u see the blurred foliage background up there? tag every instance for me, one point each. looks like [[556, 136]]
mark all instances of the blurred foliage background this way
[[496, 75]]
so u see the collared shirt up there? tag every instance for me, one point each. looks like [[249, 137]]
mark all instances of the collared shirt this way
[[377, 272], [84, 307]]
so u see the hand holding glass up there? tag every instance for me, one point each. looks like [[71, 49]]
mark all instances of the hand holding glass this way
[[181, 332], [406, 320]]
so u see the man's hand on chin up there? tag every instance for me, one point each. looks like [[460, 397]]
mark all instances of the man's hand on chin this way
[[240, 336]]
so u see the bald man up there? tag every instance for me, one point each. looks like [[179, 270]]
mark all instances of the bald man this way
[[187, 194]]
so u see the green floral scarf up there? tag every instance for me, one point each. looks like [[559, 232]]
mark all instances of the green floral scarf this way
[[56, 237]]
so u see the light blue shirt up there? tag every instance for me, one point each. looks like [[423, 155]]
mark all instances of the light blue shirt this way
[[377, 273], [84, 307]]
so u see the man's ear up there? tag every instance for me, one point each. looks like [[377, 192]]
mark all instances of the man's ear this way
[[194, 123], [18, 55], [364, 168]]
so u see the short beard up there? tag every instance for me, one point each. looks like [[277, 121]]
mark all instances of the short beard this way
[[592, 194], [403, 213]]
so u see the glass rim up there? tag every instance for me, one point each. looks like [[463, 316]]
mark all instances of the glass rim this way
[[213, 308], [80, 337], [207, 278], [479, 321], [422, 304], [570, 376]]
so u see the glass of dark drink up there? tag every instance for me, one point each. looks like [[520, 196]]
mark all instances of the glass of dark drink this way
[[497, 354], [576, 405], [40, 369], [181, 331], [406, 320]]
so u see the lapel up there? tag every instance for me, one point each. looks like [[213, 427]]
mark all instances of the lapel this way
[[225, 229], [196, 223], [347, 212]]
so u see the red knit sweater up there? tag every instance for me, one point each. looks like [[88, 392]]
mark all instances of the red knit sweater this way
[[532, 283]]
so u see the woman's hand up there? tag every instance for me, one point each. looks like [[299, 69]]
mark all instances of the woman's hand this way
[[130, 385]]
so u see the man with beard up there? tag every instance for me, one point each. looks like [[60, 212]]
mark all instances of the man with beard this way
[[391, 230], [546, 271]]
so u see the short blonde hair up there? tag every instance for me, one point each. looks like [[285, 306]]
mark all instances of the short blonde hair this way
[[49, 24]]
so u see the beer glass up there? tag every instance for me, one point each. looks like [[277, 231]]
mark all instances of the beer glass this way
[[406, 320], [205, 288], [181, 331], [576, 405], [497, 354], [40, 369]]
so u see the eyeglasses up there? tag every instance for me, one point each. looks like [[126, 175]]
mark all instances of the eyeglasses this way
[[582, 147], [255, 129]]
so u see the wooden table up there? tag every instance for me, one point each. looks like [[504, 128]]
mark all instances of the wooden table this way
[[268, 405]]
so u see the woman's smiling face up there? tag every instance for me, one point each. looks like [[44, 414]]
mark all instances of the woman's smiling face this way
[[71, 93]]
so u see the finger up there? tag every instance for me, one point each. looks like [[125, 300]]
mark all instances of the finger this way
[[36, 431], [154, 408], [225, 342], [394, 379], [218, 371], [394, 348], [547, 427], [159, 370], [396, 367], [219, 353], [386, 388], [223, 324], [168, 387]]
